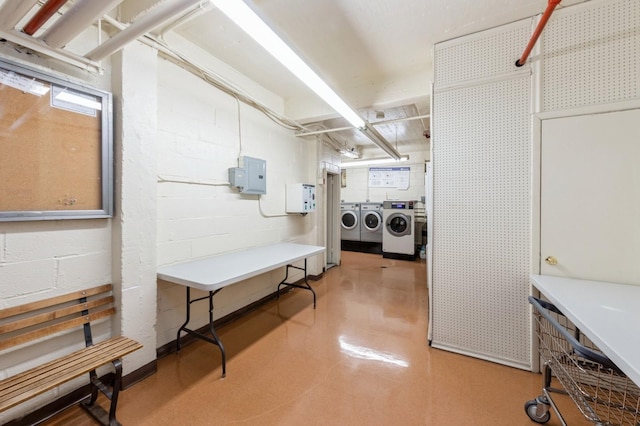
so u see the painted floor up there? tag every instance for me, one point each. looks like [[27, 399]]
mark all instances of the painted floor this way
[[360, 358]]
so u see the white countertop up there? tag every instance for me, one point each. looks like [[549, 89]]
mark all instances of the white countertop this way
[[215, 272], [607, 313]]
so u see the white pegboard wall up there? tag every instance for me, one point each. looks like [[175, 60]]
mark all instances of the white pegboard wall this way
[[482, 220], [487, 54], [591, 55]]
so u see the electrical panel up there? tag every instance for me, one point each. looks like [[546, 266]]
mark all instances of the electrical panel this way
[[301, 198], [251, 178]]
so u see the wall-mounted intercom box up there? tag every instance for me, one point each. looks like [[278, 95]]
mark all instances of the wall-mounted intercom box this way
[[301, 198], [250, 177]]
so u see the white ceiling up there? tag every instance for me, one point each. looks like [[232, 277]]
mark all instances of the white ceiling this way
[[377, 54]]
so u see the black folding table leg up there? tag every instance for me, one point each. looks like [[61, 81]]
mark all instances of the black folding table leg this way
[[304, 287], [215, 336]]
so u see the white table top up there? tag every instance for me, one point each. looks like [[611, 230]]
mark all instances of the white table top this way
[[215, 272], [607, 313]]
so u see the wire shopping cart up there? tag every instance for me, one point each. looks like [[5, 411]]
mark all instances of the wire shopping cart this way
[[602, 392]]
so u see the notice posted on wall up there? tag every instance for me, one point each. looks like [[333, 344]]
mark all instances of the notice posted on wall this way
[[389, 177]]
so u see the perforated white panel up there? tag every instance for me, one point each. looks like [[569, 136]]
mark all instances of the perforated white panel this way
[[481, 221], [592, 55], [482, 55], [481, 192]]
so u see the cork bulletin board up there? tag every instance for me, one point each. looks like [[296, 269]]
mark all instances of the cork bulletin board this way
[[55, 148]]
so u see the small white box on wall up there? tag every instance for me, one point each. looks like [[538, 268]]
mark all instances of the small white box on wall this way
[[301, 198]]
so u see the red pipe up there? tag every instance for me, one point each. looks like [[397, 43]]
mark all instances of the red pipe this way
[[43, 15], [534, 38]]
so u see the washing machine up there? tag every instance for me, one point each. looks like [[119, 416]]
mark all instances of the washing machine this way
[[371, 222], [350, 222], [398, 239]]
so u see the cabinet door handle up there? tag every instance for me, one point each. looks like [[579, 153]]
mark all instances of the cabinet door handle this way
[[551, 260]]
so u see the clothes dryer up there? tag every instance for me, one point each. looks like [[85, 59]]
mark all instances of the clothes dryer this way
[[398, 240], [371, 222], [350, 222]]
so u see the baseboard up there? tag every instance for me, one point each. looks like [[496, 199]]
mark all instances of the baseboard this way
[[399, 256], [140, 374]]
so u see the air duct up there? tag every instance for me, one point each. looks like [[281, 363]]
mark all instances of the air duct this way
[[11, 12], [80, 16], [147, 22]]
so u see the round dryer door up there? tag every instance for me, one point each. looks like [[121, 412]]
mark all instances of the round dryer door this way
[[349, 220], [372, 221], [398, 225]]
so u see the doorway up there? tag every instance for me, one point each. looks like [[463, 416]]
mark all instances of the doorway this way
[[332, 214]]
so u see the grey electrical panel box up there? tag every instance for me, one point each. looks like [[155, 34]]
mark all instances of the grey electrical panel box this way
[[251, 178]]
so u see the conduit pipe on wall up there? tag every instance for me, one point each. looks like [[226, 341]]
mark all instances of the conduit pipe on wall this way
[[43, 15], [79, 17], [12, 12], [536, 34]]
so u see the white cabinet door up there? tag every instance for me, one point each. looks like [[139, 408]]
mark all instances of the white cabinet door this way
[[590, 197]]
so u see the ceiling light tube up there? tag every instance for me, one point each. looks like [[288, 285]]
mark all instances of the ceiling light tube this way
[[373, 161], [245, 17], [379, 140], [74, 21]]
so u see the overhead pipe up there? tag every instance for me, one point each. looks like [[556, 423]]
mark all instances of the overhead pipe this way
[[377, 123], [79, 17], [43, 15], [536, 34], [155, 17], [12, 12]]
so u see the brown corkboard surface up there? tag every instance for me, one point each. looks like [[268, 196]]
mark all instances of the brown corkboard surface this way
[[50, 158]]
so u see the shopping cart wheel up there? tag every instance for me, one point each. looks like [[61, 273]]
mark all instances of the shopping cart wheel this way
[[531, 408]]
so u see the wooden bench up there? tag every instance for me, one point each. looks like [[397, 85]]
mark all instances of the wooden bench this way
[[45, 318]]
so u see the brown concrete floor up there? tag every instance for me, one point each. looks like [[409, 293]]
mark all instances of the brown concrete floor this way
[[360, 358]]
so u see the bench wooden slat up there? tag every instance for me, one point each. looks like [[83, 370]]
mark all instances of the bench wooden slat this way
[[34, 306], [112, 347], [53, 315], [45, 331], [30, 383]]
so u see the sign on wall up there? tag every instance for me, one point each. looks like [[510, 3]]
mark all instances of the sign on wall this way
[[389, 177]]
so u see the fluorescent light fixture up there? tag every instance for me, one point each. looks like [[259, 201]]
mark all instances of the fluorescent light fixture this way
[[374, 161], [352, 153], [379, 140], [244, 16]]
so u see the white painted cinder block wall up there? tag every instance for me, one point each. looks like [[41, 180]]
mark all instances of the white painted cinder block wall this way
[[358, 190], [202, 132], [41, 259], [193, 135]]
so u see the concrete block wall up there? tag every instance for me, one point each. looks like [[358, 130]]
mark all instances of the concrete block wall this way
[[42, 259], [202, 132], [170, 125], [357, 188]]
